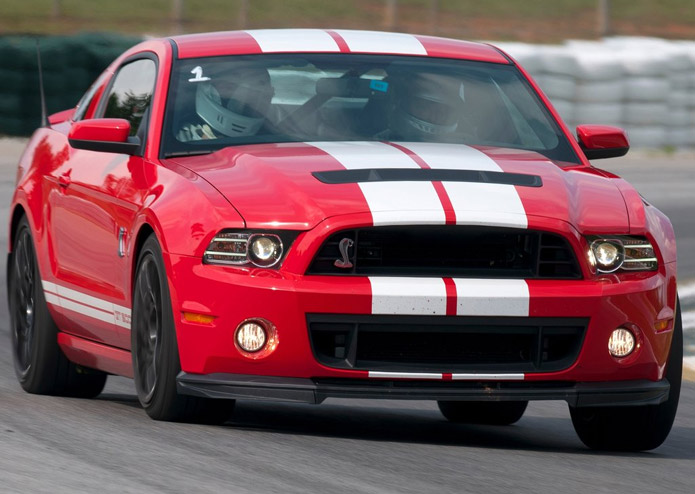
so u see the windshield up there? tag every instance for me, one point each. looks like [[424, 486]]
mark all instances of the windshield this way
[[224, 101]]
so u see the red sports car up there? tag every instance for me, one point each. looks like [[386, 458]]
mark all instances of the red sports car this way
[[301, 214]]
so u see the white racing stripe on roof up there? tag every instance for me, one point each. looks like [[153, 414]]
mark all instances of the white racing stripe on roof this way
[[491, 297], [294, 40], [86, 305], [376, 42], [474, 203], [408, 296], [391, 203]]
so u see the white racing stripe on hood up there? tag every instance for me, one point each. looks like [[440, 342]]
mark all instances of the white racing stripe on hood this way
[[294, 40], [391, 203], [376, 42], [473, 203]]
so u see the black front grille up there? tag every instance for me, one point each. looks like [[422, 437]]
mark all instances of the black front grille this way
[[408, 343], [450, 251]]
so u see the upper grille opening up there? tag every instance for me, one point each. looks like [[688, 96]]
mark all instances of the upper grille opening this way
[[449, 251]]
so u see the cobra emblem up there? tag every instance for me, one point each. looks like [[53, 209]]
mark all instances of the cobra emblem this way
[[344, 247]]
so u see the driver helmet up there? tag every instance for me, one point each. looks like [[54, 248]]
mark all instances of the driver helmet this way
[[235, 104], [428, 105]]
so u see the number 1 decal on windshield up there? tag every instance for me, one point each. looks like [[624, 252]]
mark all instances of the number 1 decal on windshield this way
[[198, 73]]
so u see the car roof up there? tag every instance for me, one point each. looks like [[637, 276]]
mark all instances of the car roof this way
[[331, 41]]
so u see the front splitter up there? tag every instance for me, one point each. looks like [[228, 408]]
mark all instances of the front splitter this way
[[299, 390]]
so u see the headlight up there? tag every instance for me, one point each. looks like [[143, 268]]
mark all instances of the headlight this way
[[266, 250], [260, 249], [621, 253]]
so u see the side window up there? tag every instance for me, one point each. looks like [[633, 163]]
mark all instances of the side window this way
[[131, 92], [88, 103]]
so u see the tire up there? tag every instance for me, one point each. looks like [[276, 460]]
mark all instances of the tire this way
[[155, 352], [483, 412], [39, 363], [635, 428]]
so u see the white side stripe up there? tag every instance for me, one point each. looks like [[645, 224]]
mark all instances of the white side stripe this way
[[421, 296], [391, 203], [290, 40], [491, 297], [375, 42], [86, 305], [474, 203]]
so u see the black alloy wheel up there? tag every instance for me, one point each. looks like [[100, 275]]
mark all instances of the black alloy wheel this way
[[22, 303], [155, 352], [39, 363], [148, 320]]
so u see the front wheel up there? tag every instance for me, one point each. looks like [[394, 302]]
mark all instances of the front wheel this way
[[483, 412], [155, 350], [635, 428]]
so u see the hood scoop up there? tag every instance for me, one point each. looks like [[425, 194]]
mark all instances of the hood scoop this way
[[426, 175]]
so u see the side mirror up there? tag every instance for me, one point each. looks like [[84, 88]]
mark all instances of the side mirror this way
[[602, 141], [108, 135]]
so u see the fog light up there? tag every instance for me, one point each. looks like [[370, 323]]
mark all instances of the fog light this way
[[621, 343], [251, 336], [255, 338]]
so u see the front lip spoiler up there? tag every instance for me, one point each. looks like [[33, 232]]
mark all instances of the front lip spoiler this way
[[298, 390]]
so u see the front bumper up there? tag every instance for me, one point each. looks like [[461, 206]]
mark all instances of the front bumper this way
[[298, 390], [286, 299]]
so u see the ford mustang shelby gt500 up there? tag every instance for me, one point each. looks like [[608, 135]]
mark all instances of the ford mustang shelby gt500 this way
[[302, 214]]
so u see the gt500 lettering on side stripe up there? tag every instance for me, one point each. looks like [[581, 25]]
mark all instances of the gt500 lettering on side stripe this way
[[86, 305]]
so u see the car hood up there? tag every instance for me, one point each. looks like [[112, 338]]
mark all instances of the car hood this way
[[298, 185]]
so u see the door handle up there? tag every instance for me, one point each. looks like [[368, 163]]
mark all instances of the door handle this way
[[64, 180]]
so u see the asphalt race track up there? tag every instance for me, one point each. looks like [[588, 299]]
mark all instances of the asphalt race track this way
[[109, 444]]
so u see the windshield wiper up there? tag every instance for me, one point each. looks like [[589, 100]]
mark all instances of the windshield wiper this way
[[195, 152]]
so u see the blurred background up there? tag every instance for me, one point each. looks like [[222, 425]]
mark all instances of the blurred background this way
[[618, 62], [508, 20]]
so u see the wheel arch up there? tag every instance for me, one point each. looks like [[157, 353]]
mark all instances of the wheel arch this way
[[143, 234], [16, 217]]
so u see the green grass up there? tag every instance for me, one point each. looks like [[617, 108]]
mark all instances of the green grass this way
[[527, 20]]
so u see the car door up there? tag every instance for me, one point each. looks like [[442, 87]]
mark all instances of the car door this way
[[92, 208]]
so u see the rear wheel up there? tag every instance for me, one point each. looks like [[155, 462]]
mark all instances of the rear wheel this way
[[635, 428], [40, 365], [483, 412], [155, 350]]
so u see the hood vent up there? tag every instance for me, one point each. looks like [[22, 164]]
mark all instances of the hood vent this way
[[426, 175]]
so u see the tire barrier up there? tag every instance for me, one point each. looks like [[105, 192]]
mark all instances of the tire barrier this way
[[645, 85], [70, 65]]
